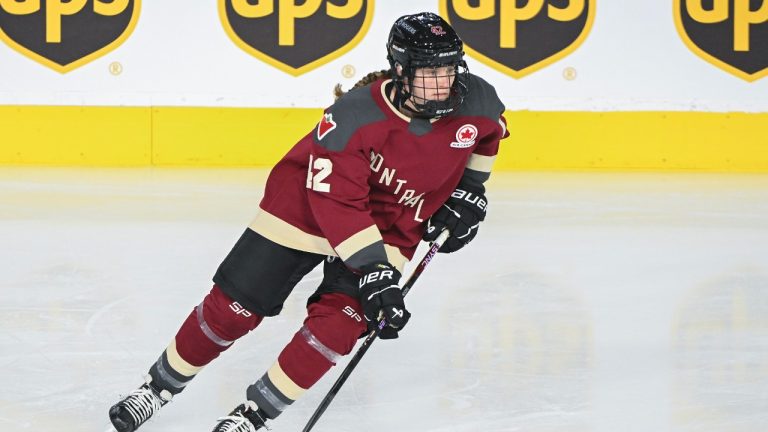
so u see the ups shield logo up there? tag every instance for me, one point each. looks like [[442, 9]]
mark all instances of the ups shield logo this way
[[296, 36], [519, 37], [65, 35], [730, 34]]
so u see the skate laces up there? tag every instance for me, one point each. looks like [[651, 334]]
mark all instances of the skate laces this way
[[142, 403], [235, 423], [238, 421]]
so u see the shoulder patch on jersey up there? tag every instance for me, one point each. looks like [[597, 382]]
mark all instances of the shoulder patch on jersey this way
[[345, 117], [325, 126], [465, 136], [482, 100]]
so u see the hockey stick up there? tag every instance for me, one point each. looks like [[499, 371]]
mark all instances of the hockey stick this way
[[373, 335]]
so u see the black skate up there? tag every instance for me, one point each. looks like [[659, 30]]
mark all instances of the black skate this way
[[245, 418], [136, 408]]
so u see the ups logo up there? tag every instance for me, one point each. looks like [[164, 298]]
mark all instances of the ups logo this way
[[520, 37], [730, 34], [64, 35], [296, 36]]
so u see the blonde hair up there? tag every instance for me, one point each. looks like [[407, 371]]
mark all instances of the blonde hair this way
[[364, 81]]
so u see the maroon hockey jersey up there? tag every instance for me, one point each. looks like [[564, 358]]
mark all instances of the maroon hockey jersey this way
[[364, 182]]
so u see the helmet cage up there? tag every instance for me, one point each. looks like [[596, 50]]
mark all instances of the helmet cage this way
[[414, 44], [406, 82]]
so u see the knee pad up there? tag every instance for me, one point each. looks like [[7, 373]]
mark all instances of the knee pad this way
[[333, 325], [212, 327], [336, 320]]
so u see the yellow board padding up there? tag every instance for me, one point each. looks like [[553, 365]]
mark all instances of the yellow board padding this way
[[185, 136], [243, 137], [75, 136], [646, 141]]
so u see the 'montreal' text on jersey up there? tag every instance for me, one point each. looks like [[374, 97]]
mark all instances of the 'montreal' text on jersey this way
[[407, 197]]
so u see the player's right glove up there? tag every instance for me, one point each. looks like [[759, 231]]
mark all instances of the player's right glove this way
[[461, 214], [381, 297]]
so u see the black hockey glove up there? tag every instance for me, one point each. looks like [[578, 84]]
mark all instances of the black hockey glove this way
[[381, 297], [461, 214]]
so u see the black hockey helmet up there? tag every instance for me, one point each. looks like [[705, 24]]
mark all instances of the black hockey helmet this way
[[425, 40]]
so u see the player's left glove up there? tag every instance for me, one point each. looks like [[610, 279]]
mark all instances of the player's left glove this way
[[461, 214]]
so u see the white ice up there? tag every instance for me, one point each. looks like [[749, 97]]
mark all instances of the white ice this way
[[590, 302]]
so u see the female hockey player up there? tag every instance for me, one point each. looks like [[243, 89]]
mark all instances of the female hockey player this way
[[405, 147]]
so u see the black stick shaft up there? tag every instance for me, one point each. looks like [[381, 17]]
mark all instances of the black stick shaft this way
[[373, 335]]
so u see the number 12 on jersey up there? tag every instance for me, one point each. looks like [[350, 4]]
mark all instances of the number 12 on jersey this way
[[315, 181]]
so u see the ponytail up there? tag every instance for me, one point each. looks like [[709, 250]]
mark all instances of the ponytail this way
[[364, 81]]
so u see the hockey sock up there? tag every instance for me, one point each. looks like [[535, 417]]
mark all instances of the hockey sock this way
[[332, 327], [211, 328]]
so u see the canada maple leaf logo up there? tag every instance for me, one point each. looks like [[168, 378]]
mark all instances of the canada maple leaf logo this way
[[465, 136], [325, 126]]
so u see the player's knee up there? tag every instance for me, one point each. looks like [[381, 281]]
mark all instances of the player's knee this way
[[212, 327], [336, 322], [223, 319]]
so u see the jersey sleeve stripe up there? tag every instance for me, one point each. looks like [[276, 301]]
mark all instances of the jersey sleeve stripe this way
[[393, 256], [370, 254], [480, 163], [475, 177], [358, 241]]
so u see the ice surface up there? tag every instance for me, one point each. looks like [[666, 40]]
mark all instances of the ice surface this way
[[598, 302]]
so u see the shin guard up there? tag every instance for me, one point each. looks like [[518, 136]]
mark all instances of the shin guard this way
[[211, 328], [333, 325]]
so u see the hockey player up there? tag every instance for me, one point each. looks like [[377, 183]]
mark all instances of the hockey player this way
[[395, 160]]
